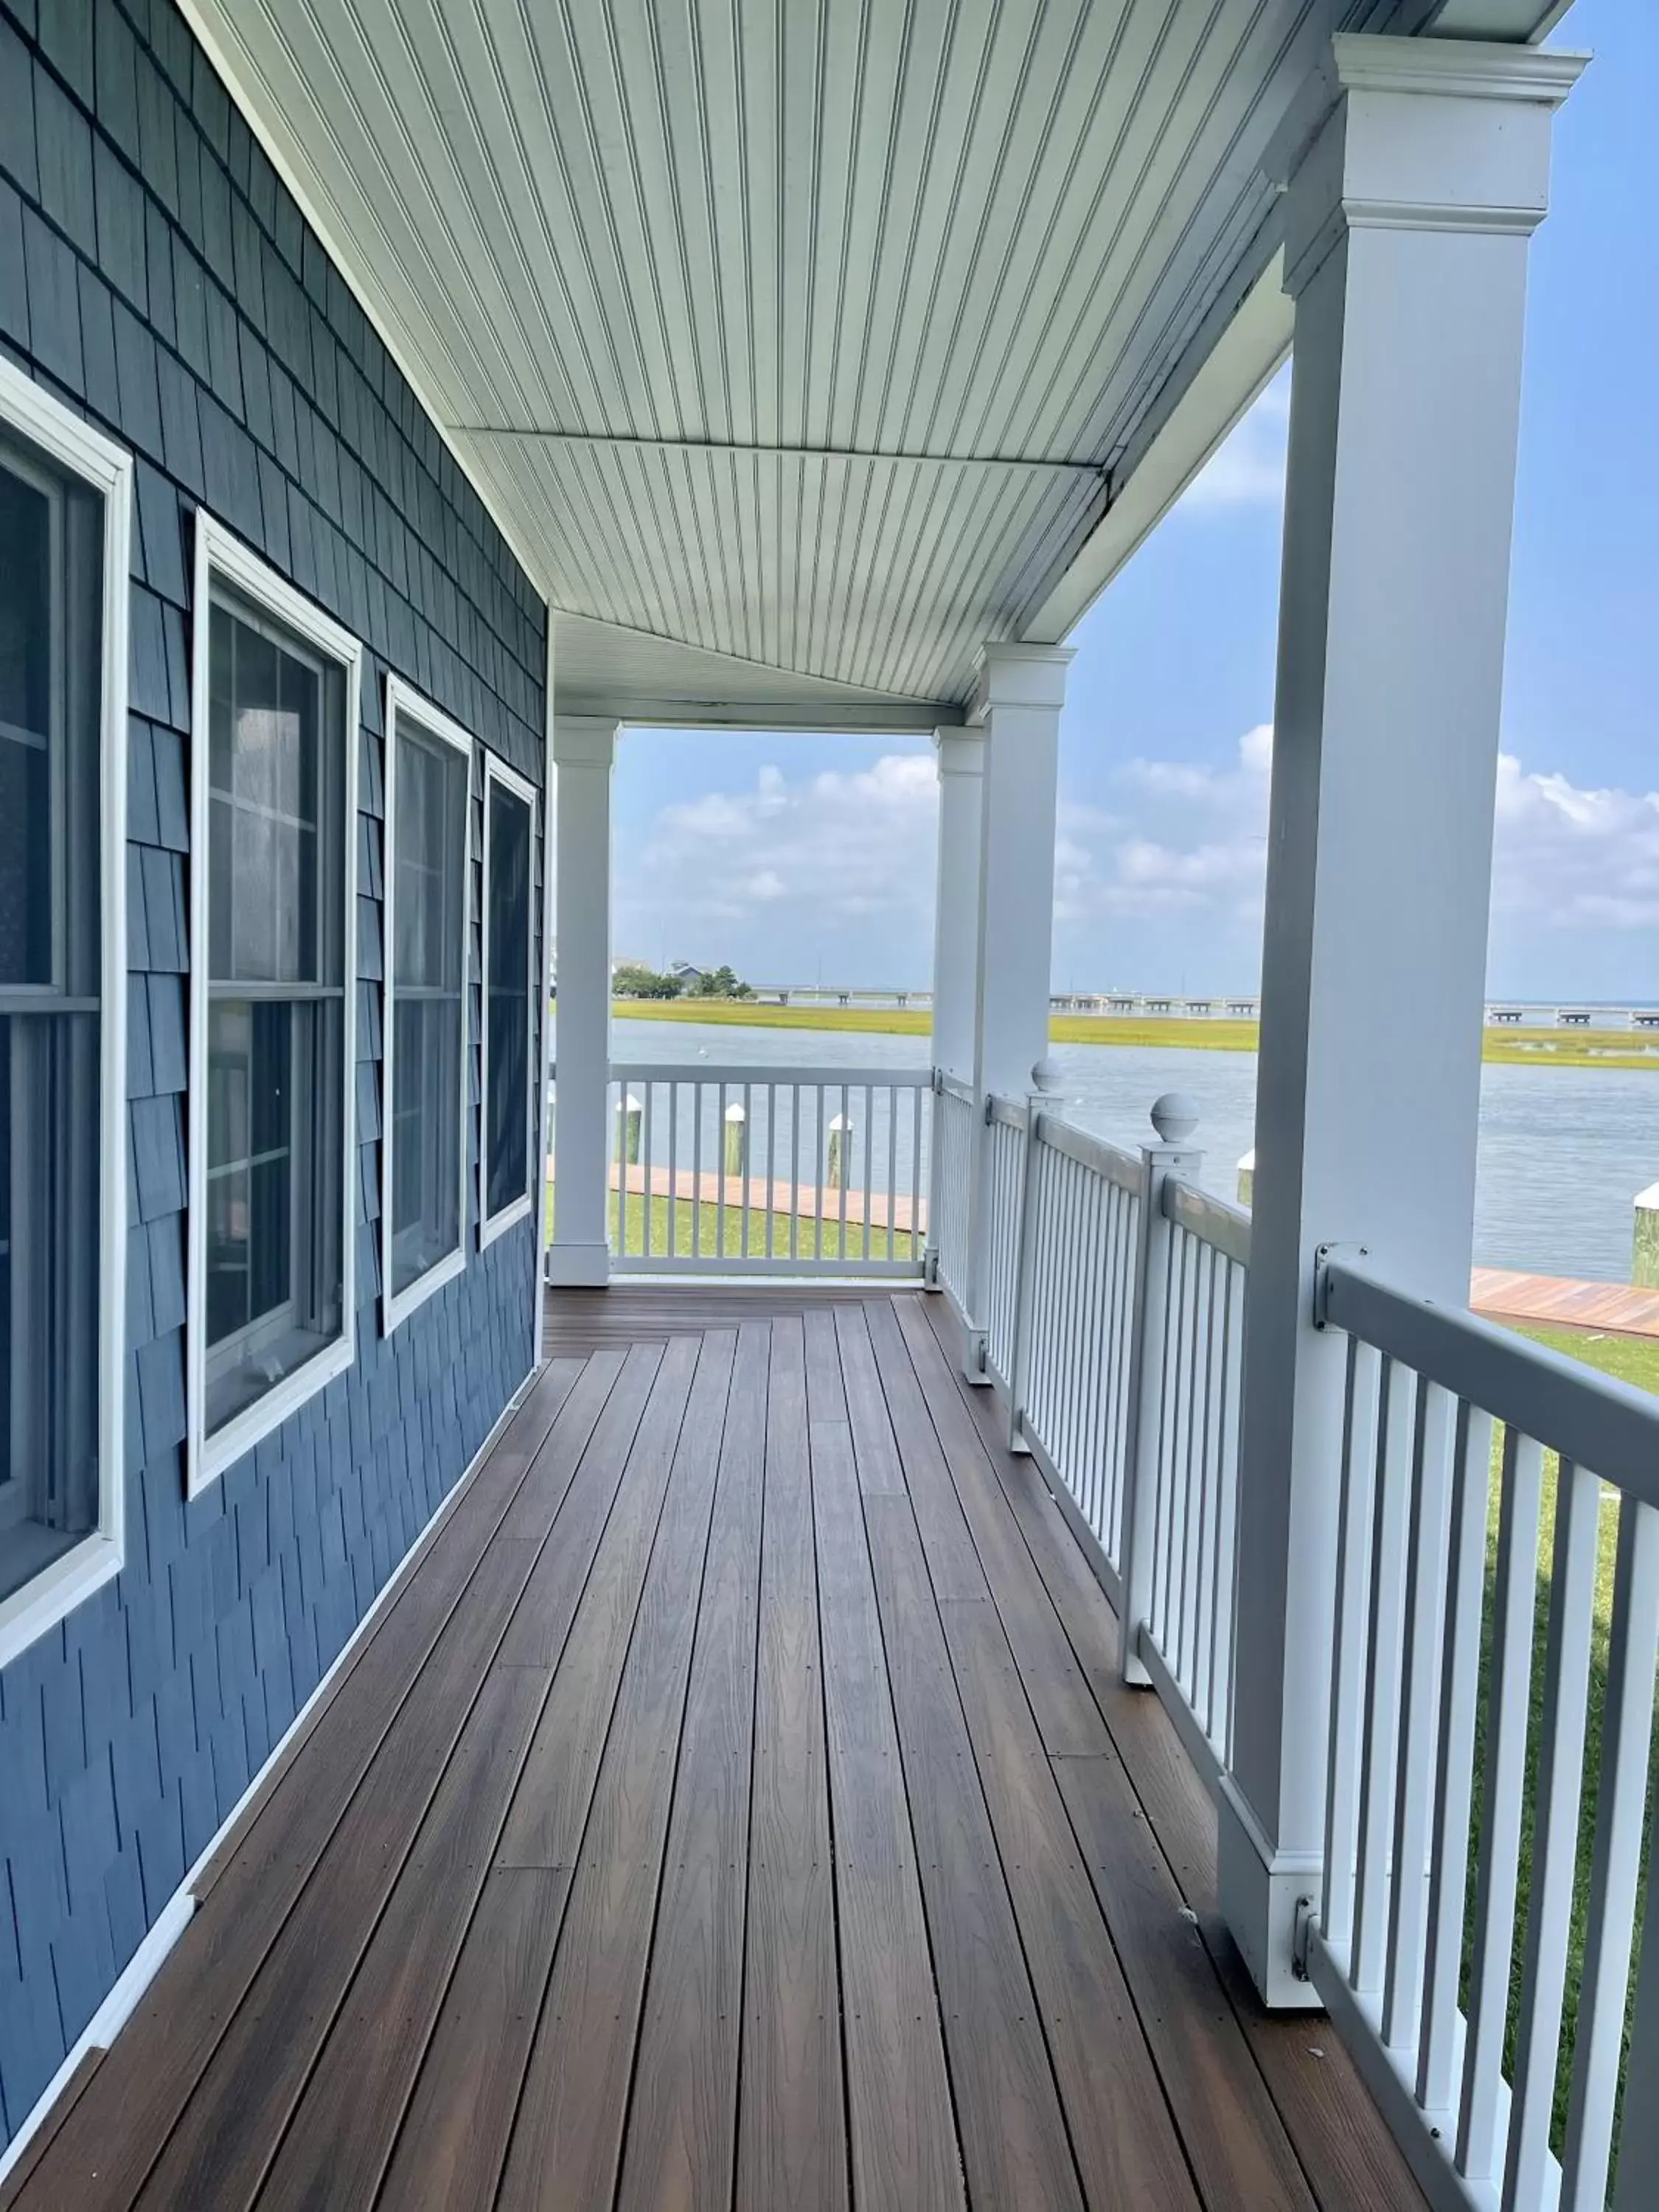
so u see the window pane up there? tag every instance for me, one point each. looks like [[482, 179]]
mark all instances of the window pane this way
[[275, 1096], [26, 715], [430, 889], [275, 750], [506, 1077], [50, 1189]]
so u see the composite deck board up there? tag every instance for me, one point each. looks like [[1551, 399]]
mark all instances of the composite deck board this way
[[566, 2142], [549, 1810], [1350, 2160], [102, 2153], [1014, 2145], [952, 1560], [682, 2128], [791, 2140], [595, 1881], [335, 2149], [449, 2152], [1067, 1713], [903, 2145]]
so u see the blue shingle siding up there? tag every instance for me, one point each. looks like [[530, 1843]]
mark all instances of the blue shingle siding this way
[[157, 276]]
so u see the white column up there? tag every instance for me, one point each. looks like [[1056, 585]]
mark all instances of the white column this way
[[583, 749], [1022, 689], [961, 755], [1407, 226]]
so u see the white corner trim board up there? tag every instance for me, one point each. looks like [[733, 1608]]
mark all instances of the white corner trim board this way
[[76, 446], [176, 1916], [403, 701], [220, 553]]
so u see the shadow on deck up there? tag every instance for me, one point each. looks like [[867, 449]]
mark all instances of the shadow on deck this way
[[738, 1805]]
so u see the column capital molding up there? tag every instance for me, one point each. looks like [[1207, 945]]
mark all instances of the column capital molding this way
[[584, 741], [960, 751], [1014, 675], [1447, 134]]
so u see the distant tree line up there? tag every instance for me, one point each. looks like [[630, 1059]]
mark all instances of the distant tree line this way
[[633, 980]]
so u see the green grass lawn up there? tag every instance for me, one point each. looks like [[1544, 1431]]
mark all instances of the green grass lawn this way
[[1191, 1033], [1634, 1360], [716, 1238]]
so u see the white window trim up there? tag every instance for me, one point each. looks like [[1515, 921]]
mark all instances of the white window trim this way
[[490, 1226], [220, 553], [71, 1579], [401, 698]]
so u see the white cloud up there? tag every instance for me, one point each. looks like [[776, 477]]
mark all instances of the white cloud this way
[[1247, 468], [1572, 858], [833, 847], [1187, 836]]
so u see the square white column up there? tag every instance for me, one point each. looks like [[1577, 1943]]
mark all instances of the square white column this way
[[1411, 196], [1021, 690], [584, 750], [961, 759]]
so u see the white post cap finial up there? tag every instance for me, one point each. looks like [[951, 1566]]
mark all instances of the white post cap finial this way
[[1174, 1117], [1045, 1074], [735, 1112]]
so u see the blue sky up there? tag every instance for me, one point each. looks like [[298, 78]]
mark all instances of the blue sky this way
[[790, 856]]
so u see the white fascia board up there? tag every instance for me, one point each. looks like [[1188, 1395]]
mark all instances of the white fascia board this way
[[1223, 373]]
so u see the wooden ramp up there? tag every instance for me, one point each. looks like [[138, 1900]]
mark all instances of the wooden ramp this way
[[737, 1807]]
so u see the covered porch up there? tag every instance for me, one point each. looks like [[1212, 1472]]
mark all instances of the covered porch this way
[[738, 1802]]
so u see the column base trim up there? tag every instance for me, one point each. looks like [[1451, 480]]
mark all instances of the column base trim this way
[[578, 1266], [1260, 1890]]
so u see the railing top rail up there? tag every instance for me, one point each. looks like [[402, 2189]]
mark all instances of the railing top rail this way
[[1609, 1427], [1212, 1220], [832, 1078], [952, 1086], [1012, 1113], [1119, 1167]]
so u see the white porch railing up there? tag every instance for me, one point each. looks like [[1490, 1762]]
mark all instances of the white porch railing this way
[[769, 1170], [1441, 1670], [951, 1185]]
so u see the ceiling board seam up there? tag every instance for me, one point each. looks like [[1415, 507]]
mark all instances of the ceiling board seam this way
[[853, 693], [1043, 463]]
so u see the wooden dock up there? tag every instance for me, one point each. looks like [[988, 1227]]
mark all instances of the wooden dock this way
[[1556, 1302]]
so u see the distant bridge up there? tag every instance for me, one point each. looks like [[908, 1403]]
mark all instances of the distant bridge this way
[[1130, 1006]]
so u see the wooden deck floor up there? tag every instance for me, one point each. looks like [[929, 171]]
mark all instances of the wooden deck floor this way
[[736, 1807]]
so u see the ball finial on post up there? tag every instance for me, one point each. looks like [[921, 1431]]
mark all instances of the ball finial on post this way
[[1045, 1075], [1174, 1117]]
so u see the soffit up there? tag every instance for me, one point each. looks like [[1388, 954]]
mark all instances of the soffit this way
[[803, 332]]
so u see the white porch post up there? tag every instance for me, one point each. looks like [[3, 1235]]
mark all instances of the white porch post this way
[[583, 749], [1408, 220], [1022, 689], [960, 758]]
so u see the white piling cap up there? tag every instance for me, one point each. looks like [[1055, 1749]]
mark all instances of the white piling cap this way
[[841, 1122], [1174, 1117], [1648, 1200], [734, 1112], [1247, 1164], [631, 1105]]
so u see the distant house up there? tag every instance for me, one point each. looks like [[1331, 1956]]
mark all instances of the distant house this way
[[690, 979]]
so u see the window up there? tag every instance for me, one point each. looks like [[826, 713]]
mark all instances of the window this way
[[504, 1168], [424, 1156], [65, 503], [273, 841]]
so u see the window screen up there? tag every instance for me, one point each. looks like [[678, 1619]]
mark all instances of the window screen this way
[[430, 787], [508, 1098], [275, 1010], [50, 663]]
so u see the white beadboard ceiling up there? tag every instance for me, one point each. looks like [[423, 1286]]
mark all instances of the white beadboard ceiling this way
[[794, 342]]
